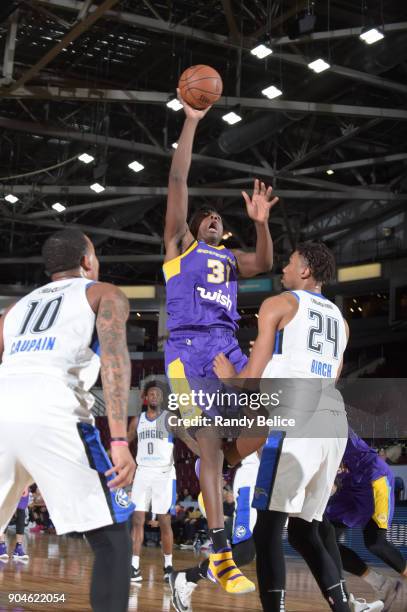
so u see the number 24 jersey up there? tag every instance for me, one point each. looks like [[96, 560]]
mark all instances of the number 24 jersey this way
[[312, 344]]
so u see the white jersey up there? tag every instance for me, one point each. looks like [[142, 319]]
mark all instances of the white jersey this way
[[155, 445], [51, 332], [312, 344]]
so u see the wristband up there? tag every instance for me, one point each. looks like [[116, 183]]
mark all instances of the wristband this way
[[118, 439], [119, 443]]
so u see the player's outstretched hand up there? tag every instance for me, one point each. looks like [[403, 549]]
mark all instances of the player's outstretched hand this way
[[123, 466], [262, 201], [223, 368], [192, 113]]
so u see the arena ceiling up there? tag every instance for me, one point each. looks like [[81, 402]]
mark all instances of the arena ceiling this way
[[95, 76]]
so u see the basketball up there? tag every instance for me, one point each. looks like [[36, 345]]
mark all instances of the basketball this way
[[200, 86]]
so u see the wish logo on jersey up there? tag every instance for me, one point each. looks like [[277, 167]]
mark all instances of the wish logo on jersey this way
[[215, 296]]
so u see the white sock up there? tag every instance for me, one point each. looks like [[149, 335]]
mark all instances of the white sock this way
[[374, 579], [135, 561], [167, 560]]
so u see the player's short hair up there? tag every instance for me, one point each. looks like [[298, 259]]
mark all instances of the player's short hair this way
[[320, 260], [64, 250], [197, 218], [154, 383]]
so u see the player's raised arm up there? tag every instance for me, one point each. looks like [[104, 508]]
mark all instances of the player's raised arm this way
[[112, 314], [176, 231], [258, 209]]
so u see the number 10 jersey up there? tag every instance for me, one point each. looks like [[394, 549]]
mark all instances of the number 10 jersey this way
[[312, 344], [51, 331]]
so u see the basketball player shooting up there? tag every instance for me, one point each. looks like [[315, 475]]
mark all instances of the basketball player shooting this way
[[52, 344], [201, 277]]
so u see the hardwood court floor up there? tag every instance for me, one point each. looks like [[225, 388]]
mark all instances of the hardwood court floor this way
[[62, 565]]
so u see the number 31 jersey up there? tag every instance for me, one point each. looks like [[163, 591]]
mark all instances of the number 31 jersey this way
[[51, 331], [312, 344], [202, 287]]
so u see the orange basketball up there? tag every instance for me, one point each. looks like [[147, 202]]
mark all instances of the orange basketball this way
[[200, 86]]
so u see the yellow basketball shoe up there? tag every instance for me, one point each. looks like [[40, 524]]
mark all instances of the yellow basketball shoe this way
[[223, 569]]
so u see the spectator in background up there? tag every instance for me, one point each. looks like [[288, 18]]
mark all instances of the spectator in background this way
[[194, 521], [393, 454], [186, 495]]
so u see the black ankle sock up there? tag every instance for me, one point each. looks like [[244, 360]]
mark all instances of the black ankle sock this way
[[219, 540], [337, 599], [273, 600]]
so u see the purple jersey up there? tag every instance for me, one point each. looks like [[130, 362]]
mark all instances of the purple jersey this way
[[202, 288]]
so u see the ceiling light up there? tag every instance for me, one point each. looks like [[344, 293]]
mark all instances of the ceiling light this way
[[85, 158], [261, 51], [175, 145], [11, 198], [271, 92], [97, 187], [58, 207], [136, 166], [231, 118], [371, 36], [138, 314], [319, 65], [330, 171], [174, 104]]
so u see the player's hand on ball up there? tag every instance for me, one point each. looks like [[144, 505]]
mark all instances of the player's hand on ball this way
[[192, 113], [123, 466], [262, 200], [223, 368]]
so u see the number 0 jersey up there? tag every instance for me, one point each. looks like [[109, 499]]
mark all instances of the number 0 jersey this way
[[202, 287], [51, 331], [155, 445], [312, 344]]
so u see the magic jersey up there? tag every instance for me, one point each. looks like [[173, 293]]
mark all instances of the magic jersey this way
[[202, 287], [155, 445], [312, 344], [51, 332]]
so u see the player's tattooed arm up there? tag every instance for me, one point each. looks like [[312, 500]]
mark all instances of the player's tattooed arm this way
[[112, 314]]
